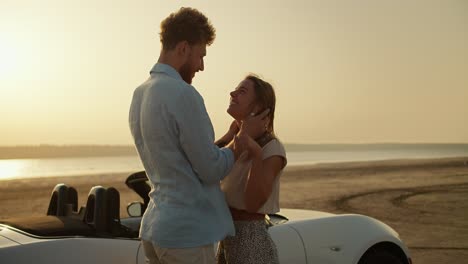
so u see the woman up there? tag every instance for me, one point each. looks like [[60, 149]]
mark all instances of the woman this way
[[252, 186]]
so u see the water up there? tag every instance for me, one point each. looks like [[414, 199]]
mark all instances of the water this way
[[33, 168], [311, 154], [344, 153]]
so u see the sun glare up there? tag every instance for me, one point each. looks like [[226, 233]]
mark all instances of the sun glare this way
[[10, 169], [9, 58]]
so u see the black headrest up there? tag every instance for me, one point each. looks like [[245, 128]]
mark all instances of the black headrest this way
[[113, 203], [96, 213], [103, 209], [63, 200]]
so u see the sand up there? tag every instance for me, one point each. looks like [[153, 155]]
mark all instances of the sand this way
[[425, 201]]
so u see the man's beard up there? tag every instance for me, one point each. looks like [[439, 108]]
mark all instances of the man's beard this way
[[186, 73]]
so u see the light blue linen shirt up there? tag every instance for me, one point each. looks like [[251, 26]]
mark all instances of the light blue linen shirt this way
[[174, 138]]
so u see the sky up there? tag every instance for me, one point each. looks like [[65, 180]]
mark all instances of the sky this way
[[361, 71]]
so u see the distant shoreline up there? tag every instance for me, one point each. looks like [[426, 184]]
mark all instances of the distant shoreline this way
[[327, 168], [68, 151], [51, 151]]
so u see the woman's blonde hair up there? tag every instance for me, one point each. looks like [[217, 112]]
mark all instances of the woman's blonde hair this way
[[265, 97]]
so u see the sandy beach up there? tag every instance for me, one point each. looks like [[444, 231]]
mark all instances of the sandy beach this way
[[425, 201]]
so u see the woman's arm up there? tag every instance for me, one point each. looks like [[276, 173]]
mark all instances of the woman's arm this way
[[261, 177], [229, 136]]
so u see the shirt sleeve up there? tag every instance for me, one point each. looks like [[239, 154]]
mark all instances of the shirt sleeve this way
[[196, 135], [274, 148]]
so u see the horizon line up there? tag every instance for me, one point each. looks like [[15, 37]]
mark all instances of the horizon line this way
[[288, 143]]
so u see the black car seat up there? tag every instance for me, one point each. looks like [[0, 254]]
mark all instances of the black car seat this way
[[102, 213], [113, 210], [63, 200], [96, 209]]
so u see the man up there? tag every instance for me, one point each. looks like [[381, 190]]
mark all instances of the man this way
[[174, 138]]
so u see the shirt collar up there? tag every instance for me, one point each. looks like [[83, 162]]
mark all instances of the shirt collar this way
[[167, 69]]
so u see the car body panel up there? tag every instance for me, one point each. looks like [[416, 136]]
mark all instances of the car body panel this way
[[301, 214], [6, 242], [343, 238], [322, 238], [70, 250], [289, 244], [301, 237]]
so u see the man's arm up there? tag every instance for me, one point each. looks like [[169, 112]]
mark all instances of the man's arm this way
[[196, 137]]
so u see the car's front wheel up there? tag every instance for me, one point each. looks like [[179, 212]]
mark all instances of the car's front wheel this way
[[379, 257]]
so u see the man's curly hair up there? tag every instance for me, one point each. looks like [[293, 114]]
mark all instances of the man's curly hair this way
[[187, 24]]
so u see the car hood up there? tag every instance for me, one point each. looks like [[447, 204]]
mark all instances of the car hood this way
[[301, 214]]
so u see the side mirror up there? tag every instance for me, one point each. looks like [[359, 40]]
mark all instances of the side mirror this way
[[135, 209]]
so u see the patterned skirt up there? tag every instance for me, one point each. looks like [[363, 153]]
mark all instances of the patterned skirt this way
[[252, 244]]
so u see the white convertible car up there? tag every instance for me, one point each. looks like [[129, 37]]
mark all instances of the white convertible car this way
[[96, 234]]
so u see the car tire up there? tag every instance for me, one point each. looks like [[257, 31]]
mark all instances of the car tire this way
[[379, 257]]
